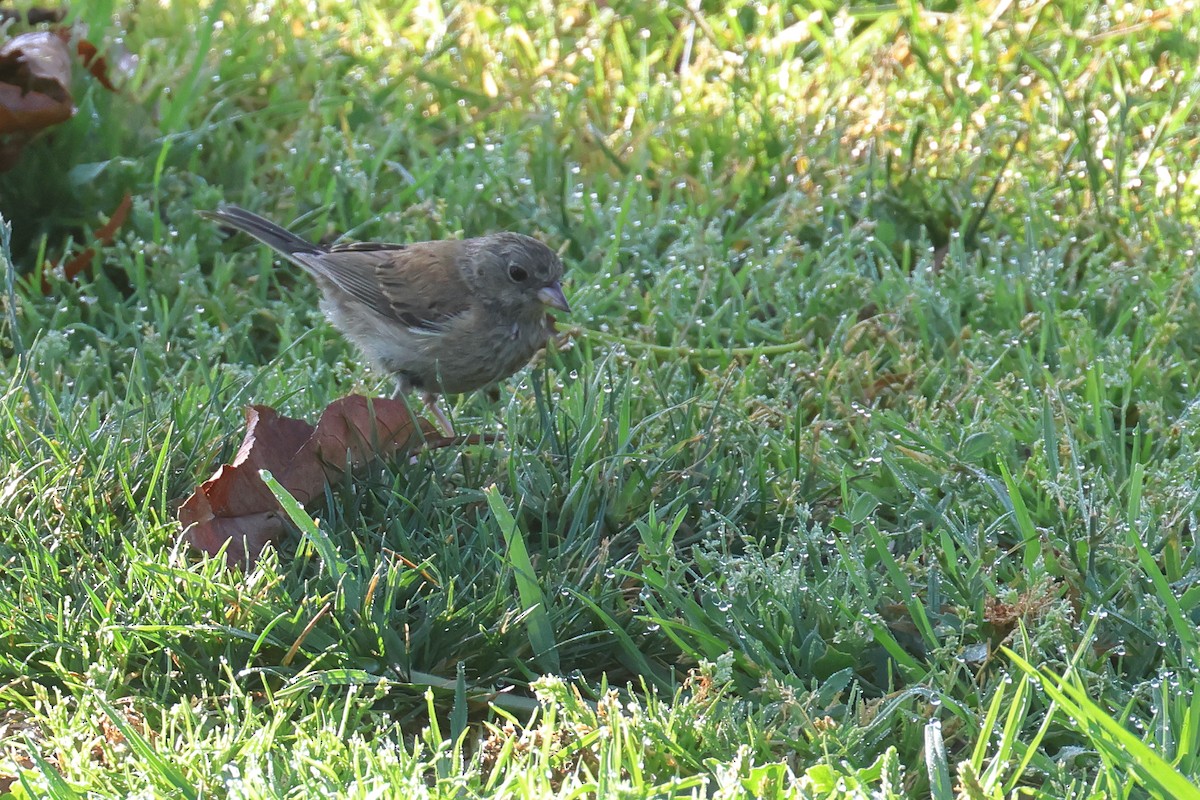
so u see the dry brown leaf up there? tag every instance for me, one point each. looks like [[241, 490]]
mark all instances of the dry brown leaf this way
[[38, 67], [103, 237], [35, 90], [18, 726], [235, 506], [35, 85], [94, 63], [33, 16]]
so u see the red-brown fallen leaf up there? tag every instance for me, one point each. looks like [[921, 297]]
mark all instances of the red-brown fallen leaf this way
[[38, 67], [33, 16], [94, 63], [235, 506], [35, 90], [35, 85], [103, 237]]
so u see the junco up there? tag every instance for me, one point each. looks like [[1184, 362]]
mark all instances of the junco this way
[[440, 317]]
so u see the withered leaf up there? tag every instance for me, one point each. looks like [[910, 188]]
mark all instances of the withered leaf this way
[[35, 80], [235, 506], [35, 85], [103, 237], [33, 15], [95, 63]]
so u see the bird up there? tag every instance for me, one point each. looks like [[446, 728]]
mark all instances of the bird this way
[[440, 317]]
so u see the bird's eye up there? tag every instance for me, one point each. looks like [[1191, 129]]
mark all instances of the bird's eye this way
[[517, 273]]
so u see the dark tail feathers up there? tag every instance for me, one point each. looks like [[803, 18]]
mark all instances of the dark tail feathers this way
[[264, 230]]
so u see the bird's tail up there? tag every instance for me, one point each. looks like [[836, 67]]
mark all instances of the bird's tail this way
[[267, 232]]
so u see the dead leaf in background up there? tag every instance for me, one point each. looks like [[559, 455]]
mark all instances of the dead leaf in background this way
[[35, 90], [94, 63], [33, 16], [19, 725], [35, 85], [102, 237], [35, 82], [235, 506]]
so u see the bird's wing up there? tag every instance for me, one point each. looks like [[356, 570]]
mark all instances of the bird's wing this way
[[418, 285]]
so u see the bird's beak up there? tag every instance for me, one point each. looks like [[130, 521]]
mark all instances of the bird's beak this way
[[553, 296]]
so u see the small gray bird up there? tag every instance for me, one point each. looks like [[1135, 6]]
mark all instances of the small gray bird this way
[[442, 317]]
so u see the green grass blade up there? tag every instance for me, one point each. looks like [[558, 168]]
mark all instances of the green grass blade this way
[[58, 788], [936, 764], [312, 533], [529, 589], [1111, 736], [162, 771]]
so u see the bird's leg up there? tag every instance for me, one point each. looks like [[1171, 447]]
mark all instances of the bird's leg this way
[[430, 401]]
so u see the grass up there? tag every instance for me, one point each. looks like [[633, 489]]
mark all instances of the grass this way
[[870, 468]]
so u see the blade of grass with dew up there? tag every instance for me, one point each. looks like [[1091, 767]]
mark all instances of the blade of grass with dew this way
[[1106, 733], [912, 601], [529, 590], [458, 712], [163, 771], [57, 787], [330, 557], [1030, 540]]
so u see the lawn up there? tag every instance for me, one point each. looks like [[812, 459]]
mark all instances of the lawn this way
[[868, 464]]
